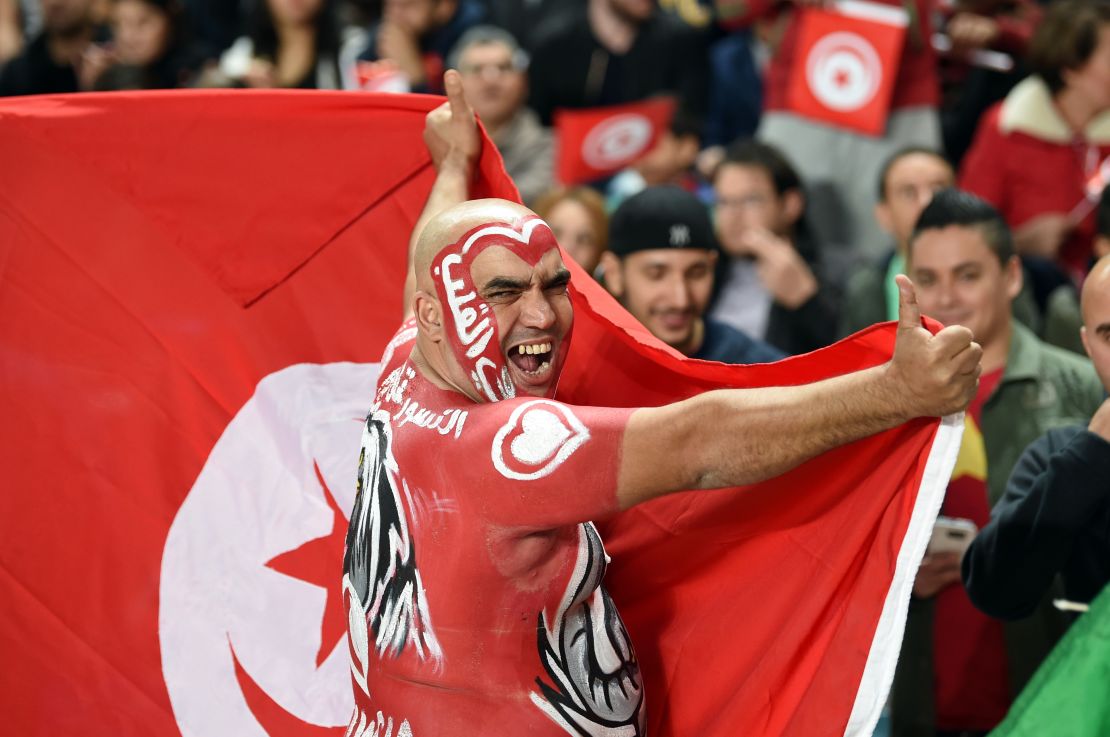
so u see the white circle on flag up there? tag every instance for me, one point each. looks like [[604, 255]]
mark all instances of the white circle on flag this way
[[616, 141], [262, 494], [844, 71]]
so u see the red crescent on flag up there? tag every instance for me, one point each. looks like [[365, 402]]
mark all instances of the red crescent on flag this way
[[274, 719]]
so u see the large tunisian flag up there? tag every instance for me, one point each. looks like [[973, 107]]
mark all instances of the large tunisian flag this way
[[194, 289]]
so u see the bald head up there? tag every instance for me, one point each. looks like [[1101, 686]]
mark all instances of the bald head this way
[[1096, 288], [1096, 318], [448, 226]]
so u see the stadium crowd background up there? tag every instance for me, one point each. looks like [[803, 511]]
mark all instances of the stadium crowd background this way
[[793, 228]]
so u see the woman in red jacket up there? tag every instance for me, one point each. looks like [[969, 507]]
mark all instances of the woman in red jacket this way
[[1041, 155]]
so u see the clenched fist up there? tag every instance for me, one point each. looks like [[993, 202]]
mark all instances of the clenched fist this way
[[933, 375]]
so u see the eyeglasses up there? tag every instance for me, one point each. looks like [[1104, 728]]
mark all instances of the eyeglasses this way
[[487, 70]]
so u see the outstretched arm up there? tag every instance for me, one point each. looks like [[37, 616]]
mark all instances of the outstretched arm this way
[[740, 436], [451, 135]]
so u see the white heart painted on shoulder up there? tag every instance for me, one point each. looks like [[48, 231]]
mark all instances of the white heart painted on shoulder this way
[[537, 438], [542, 433]]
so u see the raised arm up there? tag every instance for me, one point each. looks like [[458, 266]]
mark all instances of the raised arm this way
[[733, 437], [451, 135]]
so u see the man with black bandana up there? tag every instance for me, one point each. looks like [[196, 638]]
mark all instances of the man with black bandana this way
[[661, 265], [470, 469]]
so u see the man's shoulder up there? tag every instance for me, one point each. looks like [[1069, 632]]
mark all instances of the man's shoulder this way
[[17, 75], [1074, 384], [868, 278], [1031, 354], [1066, 364], [1056, 438], [525, 135]]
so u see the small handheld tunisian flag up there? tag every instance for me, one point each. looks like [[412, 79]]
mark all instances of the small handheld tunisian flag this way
[[596, 142], [189, 325], [848, 59]]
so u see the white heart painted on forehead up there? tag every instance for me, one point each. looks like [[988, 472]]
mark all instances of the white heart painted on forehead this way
[[542, 433], [523, 237]]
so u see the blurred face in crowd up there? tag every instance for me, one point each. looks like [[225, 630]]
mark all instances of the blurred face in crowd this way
[[746, 198], [910, 184], [1092, 80], [635, 11], [493, 84], [65, 17], [418, 16], [666, 289], [960, 281], [1096, 319], [576, 232], [294, 12], [141, 31], [670, 158]]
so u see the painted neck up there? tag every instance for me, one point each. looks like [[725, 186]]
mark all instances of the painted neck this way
[[429, 360]]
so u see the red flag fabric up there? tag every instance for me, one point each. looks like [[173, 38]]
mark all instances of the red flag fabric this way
[[596, 142], [850, 56], [195, 288]]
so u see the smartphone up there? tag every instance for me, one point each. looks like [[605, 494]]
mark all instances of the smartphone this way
[[951, 535]]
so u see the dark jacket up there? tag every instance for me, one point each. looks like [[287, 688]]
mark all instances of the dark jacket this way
[[813, 324], [1042, 387], [808, 327], [1053, 519], [726, 344], [865, 297], [571, 69], [34, 73]]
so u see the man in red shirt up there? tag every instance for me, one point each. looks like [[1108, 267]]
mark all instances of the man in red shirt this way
[[473, 575]]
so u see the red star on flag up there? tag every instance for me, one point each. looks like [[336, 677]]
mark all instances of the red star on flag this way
[[320, 563]]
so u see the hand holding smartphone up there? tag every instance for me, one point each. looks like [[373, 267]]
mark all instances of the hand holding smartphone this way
[[951, 535]]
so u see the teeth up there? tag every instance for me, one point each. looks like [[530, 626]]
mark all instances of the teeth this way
[[533, 350]]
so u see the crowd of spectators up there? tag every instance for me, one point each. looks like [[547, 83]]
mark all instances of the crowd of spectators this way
[[750, 231]]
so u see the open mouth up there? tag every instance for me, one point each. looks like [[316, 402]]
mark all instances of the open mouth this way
[[532, 359]]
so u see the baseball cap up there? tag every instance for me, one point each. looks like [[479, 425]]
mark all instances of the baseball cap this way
[[665, 216]]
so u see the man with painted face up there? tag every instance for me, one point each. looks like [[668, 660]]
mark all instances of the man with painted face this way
[[472, 573]]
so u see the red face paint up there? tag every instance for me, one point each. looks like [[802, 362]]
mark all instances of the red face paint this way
[[470, 324]]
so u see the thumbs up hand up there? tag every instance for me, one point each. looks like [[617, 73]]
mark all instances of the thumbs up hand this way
[[935, 375]]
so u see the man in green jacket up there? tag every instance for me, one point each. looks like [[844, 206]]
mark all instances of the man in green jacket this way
[[960, 669]]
